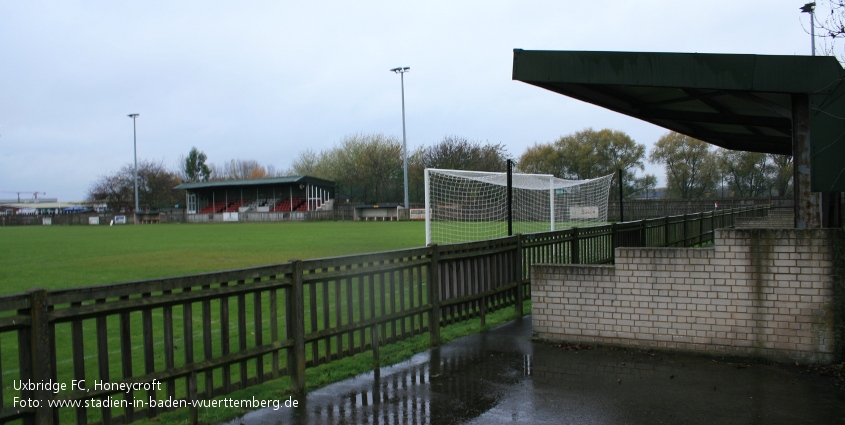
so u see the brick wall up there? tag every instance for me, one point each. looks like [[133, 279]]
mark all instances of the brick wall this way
[[759, 292]]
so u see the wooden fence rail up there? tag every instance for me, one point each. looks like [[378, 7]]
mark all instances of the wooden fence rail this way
[[113, 349]]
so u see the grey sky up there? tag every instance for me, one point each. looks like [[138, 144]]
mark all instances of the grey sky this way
[[264, 80]]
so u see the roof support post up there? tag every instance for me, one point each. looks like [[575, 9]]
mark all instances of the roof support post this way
[[807, 203]]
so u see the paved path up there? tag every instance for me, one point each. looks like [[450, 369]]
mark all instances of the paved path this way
[[503, 377]]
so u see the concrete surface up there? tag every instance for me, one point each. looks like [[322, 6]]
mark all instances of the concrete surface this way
[[503, 377]]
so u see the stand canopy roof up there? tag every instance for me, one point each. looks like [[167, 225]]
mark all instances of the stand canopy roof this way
[[738, 102]]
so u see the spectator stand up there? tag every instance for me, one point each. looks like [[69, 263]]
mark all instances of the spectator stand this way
[[265, 199]]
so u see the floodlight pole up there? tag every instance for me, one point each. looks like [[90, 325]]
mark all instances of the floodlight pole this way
[[135, 146], [811, 8], [401, 71]]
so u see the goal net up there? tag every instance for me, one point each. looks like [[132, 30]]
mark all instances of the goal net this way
[[466, 206]]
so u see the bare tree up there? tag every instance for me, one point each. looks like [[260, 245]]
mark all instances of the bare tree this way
[[453, 153], [828, 25], [155, 187], [239, 169]]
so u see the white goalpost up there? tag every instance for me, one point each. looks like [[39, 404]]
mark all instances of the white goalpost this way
[[466, 206]]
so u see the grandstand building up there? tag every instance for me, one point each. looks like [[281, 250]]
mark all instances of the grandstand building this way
[[265, 199]]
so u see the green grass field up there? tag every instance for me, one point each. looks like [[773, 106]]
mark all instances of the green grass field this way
[[71, 256]]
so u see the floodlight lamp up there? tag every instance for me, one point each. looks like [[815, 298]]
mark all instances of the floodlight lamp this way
[[133, 115], [808, 8]]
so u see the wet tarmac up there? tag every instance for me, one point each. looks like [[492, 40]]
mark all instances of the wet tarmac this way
[[503, 377]]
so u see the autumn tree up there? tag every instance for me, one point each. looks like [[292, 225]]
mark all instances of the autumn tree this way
[[691, 166], [238, 169], [155, 187]]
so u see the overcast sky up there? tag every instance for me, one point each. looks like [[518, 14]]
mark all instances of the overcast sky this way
[[264, 80]]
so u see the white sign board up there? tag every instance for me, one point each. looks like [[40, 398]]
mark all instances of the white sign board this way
[[230, 216], [94, 220], [583, 212], [47, 221], [120, 219], [417, 213]]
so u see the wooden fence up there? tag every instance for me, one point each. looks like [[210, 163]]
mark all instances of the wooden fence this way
[[188, 338]]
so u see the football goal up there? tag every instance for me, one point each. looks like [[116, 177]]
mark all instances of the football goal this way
[[466, 206]]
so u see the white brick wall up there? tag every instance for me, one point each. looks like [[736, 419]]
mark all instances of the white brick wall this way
[[760, 292]]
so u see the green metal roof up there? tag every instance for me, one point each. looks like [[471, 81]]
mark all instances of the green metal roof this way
[[740, 102], [268, 181]]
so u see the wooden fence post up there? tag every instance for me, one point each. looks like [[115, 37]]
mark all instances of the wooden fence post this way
[[192, 396], [576, 256], [684, 232], [643, 242], [666, 231], [296, 358], [374, 342], [434, 297], [41, 346], [520, 289]]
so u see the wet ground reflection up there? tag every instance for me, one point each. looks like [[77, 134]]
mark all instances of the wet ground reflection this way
[[502, 377]]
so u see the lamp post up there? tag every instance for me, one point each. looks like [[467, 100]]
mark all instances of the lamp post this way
[[401, 71], [135, 146], [810, 8]]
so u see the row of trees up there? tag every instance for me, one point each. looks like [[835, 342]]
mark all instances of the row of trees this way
[[694, 169], [369, 168], [156, 181]]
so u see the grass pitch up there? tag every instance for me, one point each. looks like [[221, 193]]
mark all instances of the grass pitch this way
[[53, 257], [72, 256]]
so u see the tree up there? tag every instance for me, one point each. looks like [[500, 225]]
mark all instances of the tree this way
[[453, 153], [155, 187], [459, 153], [586, 154], [366, 167], [542, 158], [194, 166], [691, 167], [308, 163], [747, 173], [239, 169], [646, 184], [829, 20], [781, 174]]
